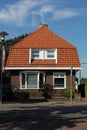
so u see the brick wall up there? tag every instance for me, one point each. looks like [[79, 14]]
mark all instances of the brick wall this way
[[15, 80]]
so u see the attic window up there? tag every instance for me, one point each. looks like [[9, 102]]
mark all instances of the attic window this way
[[43, 54], [50, 54], [35, 54]]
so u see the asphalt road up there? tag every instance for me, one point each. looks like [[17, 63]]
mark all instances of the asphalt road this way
[[43, 116]]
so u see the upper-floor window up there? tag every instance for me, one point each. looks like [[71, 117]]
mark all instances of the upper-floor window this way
[[43, 54], [35, 54], [50, 54]]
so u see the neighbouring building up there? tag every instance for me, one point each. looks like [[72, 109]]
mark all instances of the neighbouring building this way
[[40, 57]]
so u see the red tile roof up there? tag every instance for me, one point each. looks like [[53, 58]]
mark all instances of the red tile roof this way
[[43, 38]]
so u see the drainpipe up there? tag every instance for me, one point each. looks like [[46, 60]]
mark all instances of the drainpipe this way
[[71, 84]]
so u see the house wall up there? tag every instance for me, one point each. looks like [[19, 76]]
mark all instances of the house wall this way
[[68, 78], [15, 80], [49, 79]]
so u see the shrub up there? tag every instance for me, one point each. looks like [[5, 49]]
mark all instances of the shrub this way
[[66, 92], [21, 95], [47, 90]]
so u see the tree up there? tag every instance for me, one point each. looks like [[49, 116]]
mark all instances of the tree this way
[[83, 80], [10, 42]]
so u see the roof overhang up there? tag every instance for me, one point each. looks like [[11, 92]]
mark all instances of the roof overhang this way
[[42, 68]]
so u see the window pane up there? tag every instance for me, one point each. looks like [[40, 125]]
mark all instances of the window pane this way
[[50, 53], [59, 82], [23, 80], [31, 80], [35, 53]]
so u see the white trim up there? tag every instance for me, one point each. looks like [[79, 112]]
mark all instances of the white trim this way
[[38, 80], [26, 72], [59, 76], [31, 72], [56, 56], [42, 68], [42, 54], [30, 55], [39, 54], [45, 54]]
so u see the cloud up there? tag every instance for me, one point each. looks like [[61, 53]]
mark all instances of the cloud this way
[[24, 10], [18, 12], [47, 8], [37, 15], [65, 13]]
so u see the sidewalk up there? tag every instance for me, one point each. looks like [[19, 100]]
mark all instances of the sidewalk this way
[[41, 102]]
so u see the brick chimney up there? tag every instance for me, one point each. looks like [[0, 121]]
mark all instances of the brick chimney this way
[[41, 25]]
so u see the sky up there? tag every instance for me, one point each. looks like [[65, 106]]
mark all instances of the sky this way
[[66, 18]]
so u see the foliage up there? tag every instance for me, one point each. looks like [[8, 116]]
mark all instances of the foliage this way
[[47, 90], [21, 95], [10, 42], [66, 92], [83, 80]]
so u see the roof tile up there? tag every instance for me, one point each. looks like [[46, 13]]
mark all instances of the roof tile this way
[[43, 38]]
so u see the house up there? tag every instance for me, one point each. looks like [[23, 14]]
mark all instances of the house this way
[[40, 57]]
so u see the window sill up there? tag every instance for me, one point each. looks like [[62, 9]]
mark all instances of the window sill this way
[[28, 88], [59, 88]]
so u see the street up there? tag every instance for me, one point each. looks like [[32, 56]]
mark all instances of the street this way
[[43, 116]]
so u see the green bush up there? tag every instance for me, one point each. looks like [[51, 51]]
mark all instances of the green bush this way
[[47, 90], [66, 92]]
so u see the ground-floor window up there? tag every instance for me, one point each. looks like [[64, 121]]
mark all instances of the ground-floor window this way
[[31, 80], [59, 80]]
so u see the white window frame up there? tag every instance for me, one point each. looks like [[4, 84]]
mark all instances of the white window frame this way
[[35, 57], [59, 75], [46, 54], [37, 85], [43, 54], [31, 72]]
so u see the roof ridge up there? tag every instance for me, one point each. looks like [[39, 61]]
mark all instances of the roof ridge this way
[[43, 37], [45, 26]]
